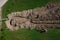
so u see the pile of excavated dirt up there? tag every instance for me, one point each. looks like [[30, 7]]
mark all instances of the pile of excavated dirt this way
[[33, 18]]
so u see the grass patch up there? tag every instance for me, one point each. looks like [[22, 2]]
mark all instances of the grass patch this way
[[24, 34]]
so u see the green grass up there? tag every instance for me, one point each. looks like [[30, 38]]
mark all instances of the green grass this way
[[0, 35], [24, 34]]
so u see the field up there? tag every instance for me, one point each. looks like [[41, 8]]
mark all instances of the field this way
[[25, 34]]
